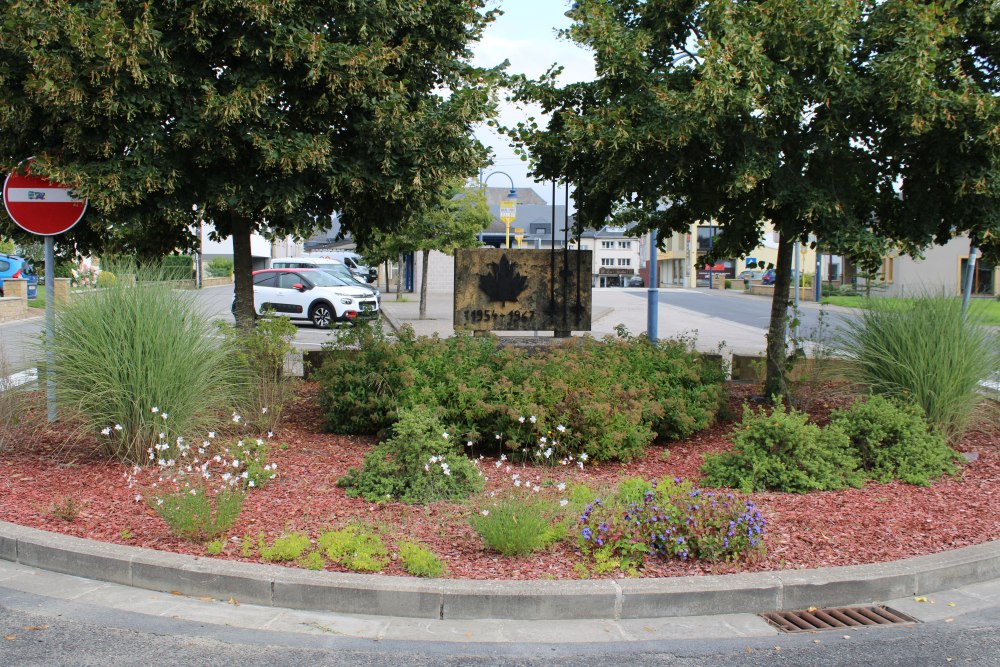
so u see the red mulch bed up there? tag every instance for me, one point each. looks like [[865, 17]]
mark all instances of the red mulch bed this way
[[881, 522]]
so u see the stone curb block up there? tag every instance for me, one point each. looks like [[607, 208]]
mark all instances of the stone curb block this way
[[277, 586]]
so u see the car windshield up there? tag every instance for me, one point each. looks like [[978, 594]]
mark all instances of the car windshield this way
[[321, 278], [345, 274]]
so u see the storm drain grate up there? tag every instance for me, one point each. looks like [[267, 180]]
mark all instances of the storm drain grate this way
[[812, 619]]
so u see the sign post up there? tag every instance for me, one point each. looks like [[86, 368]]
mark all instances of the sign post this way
[[508, 213], [46, 208]]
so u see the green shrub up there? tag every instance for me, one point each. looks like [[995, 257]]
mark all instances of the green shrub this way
[[633, 489], [924, 351], [177, 267], [355, 548], [106, 279], [215, 547], [417, 464], [286, 548], [199, 516], [312, 561], [669, 520], [892, 441], [220, 267], [260, 355], [783, 452], [420, 561], [124, 350], [518, 526], [613, 396]]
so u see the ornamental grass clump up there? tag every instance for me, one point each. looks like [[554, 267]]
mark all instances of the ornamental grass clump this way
[[925, 351], [671, 519], [418, 463], [782, 451], [135, 344], [517, 526], [893, 441]]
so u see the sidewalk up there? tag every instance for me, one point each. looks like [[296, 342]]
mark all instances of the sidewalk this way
[[609, 310]]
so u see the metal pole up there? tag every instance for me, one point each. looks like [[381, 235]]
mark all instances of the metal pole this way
[[653, 296], [970, 271], [795, 249], [50, 328], [819, 275]]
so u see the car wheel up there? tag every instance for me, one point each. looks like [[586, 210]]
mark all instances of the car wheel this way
[[322, 315]]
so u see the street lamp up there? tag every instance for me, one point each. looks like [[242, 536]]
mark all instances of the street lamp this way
[[508, 205]]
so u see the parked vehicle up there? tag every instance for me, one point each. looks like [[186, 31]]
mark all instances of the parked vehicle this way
[[635, 281], [356, 264], [12, 266], [768, 277], [751, 274], [328, 264], [311, 294]]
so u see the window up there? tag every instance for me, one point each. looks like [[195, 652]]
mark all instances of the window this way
[[607, 244], [624, 261], [584, 247], [264, 280], [607, 261], [287, 280], [625, 245]]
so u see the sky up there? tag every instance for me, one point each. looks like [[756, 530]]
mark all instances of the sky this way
[[526, 35]]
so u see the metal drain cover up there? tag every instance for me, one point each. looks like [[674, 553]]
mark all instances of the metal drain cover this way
[[813, 619]]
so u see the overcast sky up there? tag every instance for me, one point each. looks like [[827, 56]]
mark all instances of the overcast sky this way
[[526, 36]]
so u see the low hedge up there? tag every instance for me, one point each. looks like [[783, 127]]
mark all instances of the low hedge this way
[[606, 398]]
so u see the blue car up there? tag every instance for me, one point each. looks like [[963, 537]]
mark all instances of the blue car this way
[[12, 266], [768, 277]]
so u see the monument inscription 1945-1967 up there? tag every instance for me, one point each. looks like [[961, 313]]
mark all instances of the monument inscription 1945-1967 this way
[[523, 290]]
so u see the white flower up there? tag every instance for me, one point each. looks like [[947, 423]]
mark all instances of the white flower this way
[[193, 492], [106, 430], [548, 452], [446, 471], [263, 411], [211, 434], [498, 464], [561, 428], [159, 501], [427, 467], [580, 464], [584, 457], [162, 436], [517, 482], [154, 410], [520, 419], [563, 502], [445, 435], [468, 444], [561, 486], [532, 419], [270, 434], [498, 436], [118, 427], [485, 512], [536, 488], [503, 457], [236, 418], [138, 498], [542, 440], [251, 484], [217, 458], [259, 441]]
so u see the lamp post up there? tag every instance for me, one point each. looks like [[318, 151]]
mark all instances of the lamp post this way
[[508, 205]]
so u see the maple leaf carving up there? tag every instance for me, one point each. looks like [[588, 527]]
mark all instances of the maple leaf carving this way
[[503, 282]]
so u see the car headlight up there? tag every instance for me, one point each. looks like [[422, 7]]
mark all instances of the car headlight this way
[[347, 302]]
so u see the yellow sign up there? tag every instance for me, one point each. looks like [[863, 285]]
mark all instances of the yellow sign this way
[[519, 235]]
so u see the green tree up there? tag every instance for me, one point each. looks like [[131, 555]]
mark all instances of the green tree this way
[[7, 246], [266, 116], [453, 220], [826, 117]]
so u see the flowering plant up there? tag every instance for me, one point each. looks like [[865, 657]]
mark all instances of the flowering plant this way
[[85, 274], [672, 520]]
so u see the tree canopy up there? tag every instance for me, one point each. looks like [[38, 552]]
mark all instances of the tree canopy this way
[[266, 116], [864, 122]]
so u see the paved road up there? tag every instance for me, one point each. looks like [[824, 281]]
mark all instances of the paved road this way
[[42, 631]]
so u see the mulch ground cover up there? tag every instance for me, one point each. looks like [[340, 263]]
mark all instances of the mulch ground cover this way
[[52, 478]]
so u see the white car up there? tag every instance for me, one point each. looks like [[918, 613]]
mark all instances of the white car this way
[[311, 294]]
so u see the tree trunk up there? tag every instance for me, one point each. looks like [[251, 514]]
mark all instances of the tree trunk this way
[[242, 272], [388, 270], [423, 285], [399, 278], [775, 383]]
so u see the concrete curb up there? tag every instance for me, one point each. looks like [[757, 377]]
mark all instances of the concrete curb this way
[[277, 586]]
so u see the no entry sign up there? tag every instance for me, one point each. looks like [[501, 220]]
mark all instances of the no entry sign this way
[[41, 206]]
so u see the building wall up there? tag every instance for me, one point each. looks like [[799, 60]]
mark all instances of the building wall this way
[[938, 272], [440, 271]]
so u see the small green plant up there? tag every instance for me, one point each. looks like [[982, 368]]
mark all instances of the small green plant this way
[[198, 516], [286, 548], [420, 561], [312, 561], [215, 547], [519, 526], [417, 464], [11, 400], [259, 472], [633, 489], [126, 533], [250, 545], [926, 351], [892, 441], [220, 267], [260, 355], [356, 548], [66, 509], [782, 451]]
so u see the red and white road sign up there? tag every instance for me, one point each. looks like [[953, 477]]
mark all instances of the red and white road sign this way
[[41, 206]]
